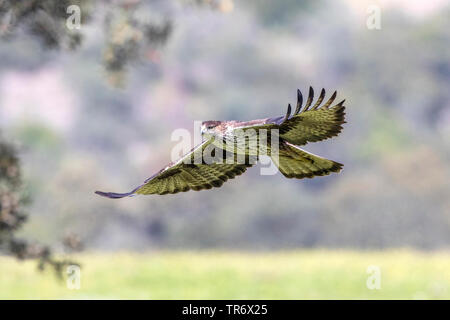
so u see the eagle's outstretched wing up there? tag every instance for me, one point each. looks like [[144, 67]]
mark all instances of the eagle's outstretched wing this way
[[183, 175], [313, 123]]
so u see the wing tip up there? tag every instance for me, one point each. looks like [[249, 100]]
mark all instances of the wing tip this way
[[288, 113], [112, 195], [299, 102]]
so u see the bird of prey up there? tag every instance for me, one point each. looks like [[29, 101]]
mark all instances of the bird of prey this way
[[310, 123]]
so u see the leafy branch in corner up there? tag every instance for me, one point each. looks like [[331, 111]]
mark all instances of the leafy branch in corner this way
[[13, 216]]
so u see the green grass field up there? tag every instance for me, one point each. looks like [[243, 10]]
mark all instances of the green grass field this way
[[316, 274]]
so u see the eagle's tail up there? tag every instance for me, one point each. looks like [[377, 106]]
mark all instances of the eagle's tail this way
[[294, 162]]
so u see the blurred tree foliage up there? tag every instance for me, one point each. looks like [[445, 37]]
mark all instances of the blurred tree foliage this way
[[282, 13], [44, 19], [13, 216], [130, 36]]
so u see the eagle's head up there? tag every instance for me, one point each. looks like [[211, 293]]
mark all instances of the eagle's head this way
[[211, 128]]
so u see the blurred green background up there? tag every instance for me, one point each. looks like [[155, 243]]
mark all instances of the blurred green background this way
[[94, 109]]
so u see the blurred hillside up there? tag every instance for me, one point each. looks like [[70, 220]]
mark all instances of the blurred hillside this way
[[84, 121]]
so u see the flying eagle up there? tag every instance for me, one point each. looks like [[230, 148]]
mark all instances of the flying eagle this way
[[309, 124]]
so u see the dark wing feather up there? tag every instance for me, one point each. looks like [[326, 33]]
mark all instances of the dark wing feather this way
[[185, 175], [311, 124]]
